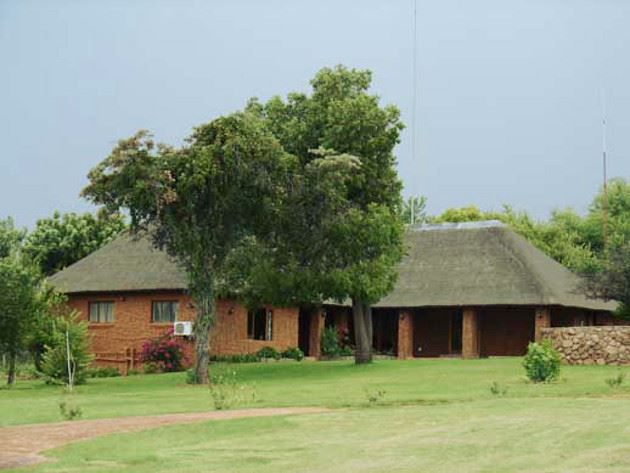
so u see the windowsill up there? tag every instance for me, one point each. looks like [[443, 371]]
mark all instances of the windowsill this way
[[162, 324], [255, 340], [100, 324]]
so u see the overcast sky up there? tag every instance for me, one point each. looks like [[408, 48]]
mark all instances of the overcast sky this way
[[508, 105]]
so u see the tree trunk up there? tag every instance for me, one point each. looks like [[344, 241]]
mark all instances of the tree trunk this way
[[203, 323], [11, 370], [362, 317]]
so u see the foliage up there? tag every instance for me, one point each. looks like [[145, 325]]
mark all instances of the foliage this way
[[63, 239], [374, 396], [68, 330], [238, 358], [612, 282], [70, 412], [103, 372], [10, 237], [350, 249], [267, 353], [497, 389], [226, 391], [330, 342], [414, 210], [293, 353], [19, 308], [199, 201], [165, 352], [617, 380], [541, 362]]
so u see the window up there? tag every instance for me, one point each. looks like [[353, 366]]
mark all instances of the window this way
[[164, 311], [101, 312], [260, 324]]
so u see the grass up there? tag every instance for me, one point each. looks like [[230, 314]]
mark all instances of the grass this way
[[331, 384], [434, 415]]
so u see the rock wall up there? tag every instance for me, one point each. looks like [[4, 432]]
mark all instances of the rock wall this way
[[591, 345]]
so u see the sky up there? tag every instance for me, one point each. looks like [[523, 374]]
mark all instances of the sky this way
[[508, 92]]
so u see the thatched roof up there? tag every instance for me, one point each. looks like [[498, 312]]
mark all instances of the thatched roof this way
[[482, 263], [126, 264]]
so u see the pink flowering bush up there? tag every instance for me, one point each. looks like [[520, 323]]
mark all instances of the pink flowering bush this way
[[165, 353]]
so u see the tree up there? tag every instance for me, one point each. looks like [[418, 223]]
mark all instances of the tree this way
[[612, 282], [198, 202], [340, 116], [19, 306], [414, 210], [63, 239], [10, 237]]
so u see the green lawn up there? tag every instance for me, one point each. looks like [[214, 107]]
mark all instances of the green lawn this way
[[435, 415]]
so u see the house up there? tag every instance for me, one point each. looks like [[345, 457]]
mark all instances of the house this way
[[471, 289]]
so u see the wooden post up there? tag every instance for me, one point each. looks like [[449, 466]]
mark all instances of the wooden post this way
[[542, 319], [470, 333], [315, 332], [405, 334]]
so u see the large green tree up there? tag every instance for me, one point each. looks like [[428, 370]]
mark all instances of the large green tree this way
[[341, 116], [612, 280], [199, 202], [10, 237], [63, 239], [19, 308]]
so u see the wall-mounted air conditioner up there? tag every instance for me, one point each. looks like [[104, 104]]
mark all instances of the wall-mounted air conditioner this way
[[182, 328]]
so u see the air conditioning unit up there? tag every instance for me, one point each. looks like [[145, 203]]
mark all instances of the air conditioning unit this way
[[182, 328]]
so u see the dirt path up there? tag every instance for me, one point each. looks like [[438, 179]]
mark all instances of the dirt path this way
[[22, 445]]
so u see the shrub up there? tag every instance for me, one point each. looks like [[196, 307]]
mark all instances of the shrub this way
[[103, 372], [497, 389], [293, 353], [374, 396], [227, 392], [69, 412], [542, 362], [616, 381], [330, 342], [166, 353], [239, 358], [55, 358], [266, 353]]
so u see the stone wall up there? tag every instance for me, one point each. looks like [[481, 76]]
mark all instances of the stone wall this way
[[591, 345]]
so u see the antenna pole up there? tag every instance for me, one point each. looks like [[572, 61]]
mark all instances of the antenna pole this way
[[605, 172], [414, 85]]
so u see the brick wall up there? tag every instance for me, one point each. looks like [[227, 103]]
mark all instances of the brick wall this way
[[114, 343]]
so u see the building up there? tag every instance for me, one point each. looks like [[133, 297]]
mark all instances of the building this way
[[470, 290]]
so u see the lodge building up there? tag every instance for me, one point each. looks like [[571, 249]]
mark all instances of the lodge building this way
[[469, 290]]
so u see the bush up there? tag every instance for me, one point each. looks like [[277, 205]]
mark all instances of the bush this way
[[226, 392], [330, 342], [497, 389], [266, 353], [70, 412], [240, 358], [293, 353], [617, 381], [166, 353], [542, 362], [104, 372], [55, 358]]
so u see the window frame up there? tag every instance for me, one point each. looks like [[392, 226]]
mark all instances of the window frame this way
[[98, 319], [253, 328], [173, 302]]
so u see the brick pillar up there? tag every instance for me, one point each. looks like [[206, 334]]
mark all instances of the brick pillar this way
[[470, 333], [405, 334], [315, 332], [542, 319]]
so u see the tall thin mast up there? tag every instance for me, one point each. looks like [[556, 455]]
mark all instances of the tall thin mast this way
[[605, 172]]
